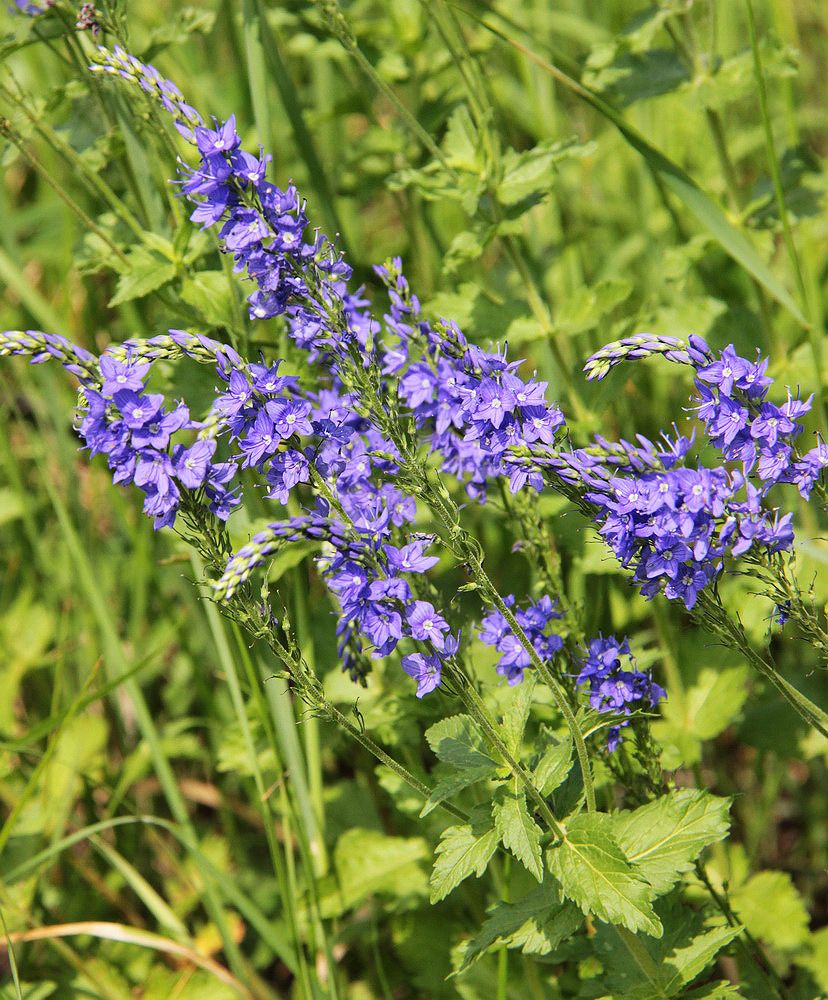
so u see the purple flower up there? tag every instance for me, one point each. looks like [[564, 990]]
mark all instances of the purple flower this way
[[260, 442], [426, 671], [191, 464], [724, 372], [410, 558], [119, 375], [426, 624], [222, 139], [614, 688]]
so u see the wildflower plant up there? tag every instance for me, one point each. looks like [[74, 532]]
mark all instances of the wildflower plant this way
[[379, 439]]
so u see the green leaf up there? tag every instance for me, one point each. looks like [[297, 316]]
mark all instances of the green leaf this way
[[537, 924], [450, 786], [458, 741], [815, 959], [554, 765], [637, 967], [699, 713], [664, 837], [585, 308], [369, 862], [514, 719], [462, 850], [698, 202], [771, 908], [210, 293], [517, 830], [147, 273], [461, 144], [528, 175], [28, 991], [595, 874], [692, 959]]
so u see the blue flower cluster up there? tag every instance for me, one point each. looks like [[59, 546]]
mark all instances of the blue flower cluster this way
[[135, 431], [374, 583], [262, 226], [615, 684], [535, 621], [674, 524], [471, 402]]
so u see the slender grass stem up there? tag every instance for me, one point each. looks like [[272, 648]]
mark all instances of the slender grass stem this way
[[782, 209]]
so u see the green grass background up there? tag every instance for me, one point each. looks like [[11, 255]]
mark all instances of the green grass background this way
[[125, 699]]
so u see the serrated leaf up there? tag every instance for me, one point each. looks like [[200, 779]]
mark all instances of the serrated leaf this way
[[771, 908], [664, 837], [450, 786], [462, 141], [554, 765], [713, 991], [691, 960], [595, 874], [460, 853], [146, 274], [537, 924], [637, 967], [369, 862], [517, 830], [528, 175], [514, 719], [458, 741]]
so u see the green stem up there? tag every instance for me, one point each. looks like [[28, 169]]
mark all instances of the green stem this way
[[711, 612], [333, 713], [782, 208], [7, 130], [475, 705]]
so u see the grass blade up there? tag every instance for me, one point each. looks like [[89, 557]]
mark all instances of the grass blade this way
[[732, 240]]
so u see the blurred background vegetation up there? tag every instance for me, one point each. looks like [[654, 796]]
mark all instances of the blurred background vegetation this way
[[426, 130]]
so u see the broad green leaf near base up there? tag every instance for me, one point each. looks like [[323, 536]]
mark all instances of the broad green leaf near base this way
[[638, 967], [369, 862], [537, 924], [595, 874], [772, 909], [664, 837]]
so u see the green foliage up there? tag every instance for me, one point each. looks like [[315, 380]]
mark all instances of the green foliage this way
[[463, 850], [596, 874], [518, 832], [158, 771], [458, 741], [771, 909], [664, 837]]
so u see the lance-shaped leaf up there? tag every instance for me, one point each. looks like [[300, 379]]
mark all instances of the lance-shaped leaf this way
[[554, 765], [514, 719], [538, 923], [664, 837], [594, 873], [463, 850], [458, 741], [518, 831], [454, 783]]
